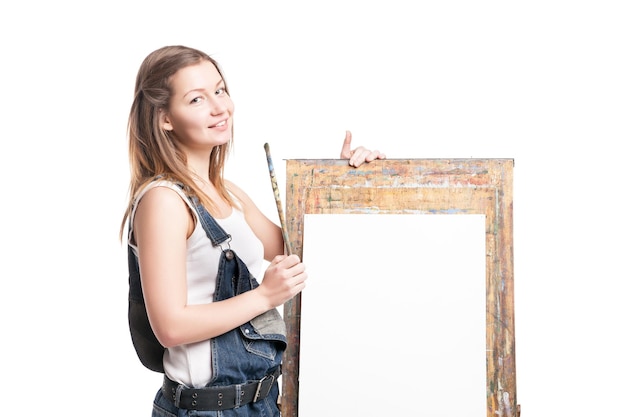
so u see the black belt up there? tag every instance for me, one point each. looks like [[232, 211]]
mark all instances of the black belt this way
[[219, 397]]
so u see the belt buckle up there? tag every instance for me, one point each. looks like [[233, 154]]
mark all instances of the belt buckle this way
[[260, 385]]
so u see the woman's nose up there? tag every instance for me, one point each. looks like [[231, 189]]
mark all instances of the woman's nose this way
[[218, 105]]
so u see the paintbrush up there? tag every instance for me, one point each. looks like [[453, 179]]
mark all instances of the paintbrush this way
[[279, 207]]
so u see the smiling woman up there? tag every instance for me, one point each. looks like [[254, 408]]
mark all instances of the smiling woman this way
[[197, 244]]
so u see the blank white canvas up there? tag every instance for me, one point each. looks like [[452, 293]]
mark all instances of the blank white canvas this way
[[393, 316]]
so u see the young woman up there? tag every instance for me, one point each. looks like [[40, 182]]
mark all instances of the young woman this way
[[220, 357]]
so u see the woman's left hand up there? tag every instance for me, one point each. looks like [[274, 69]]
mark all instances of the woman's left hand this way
[[358, 155]]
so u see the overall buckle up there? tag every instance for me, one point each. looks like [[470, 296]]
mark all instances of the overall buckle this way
[[259, 387]]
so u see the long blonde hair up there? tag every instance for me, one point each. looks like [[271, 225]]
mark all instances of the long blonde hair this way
[[153, 151]]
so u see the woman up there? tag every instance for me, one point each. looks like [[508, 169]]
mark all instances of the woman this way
[[180, 131]]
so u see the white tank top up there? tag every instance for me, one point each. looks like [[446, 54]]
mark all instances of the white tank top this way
[[190, 364]]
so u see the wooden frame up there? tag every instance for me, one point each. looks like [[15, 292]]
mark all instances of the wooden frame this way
[[416, 186]]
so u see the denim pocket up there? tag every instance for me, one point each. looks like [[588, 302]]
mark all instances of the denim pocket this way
[[265, 335]]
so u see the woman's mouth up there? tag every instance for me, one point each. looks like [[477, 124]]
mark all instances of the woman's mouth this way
[[220, 124]]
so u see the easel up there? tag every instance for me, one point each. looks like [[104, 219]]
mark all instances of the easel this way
[[425, 186]]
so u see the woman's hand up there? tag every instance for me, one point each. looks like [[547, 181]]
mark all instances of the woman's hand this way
[[359, 155], [284, 278]]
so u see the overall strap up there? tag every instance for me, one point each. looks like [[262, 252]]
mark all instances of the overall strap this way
[[214, 231]]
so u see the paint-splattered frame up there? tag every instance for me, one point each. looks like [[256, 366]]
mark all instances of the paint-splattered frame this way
[[434, 186]]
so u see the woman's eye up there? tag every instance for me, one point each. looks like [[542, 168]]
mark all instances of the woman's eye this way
[[196, 100], [220, 91]]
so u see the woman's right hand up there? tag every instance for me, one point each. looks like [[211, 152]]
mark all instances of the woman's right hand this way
[[284, 278]]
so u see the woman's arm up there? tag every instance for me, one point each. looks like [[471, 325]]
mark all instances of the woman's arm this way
[[162, 225]]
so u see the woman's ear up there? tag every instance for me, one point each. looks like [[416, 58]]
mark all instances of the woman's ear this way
[[164, 121]]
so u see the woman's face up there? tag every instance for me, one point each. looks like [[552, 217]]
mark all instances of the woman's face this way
[[200, 111]]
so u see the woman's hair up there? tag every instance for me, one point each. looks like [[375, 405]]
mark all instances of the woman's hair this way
[[154, 151]]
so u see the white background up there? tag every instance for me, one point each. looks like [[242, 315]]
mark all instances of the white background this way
[[539, 81]]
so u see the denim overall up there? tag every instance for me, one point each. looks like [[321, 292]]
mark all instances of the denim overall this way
[[247, 353]]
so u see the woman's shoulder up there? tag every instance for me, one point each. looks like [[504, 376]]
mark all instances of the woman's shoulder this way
[[162, 194], [159, 186], [162, 203]]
